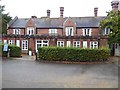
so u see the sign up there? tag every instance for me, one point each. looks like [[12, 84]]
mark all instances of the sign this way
[[5, 48]]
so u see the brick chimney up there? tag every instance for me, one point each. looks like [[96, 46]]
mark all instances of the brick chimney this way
[[48, 13], [95, 11], [61, 16], [115, 4], [33, 16], [61, 11]]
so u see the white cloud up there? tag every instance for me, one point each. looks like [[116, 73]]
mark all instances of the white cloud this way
[[74, 8]]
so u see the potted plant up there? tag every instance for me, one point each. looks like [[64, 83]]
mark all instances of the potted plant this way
[[30, 51]]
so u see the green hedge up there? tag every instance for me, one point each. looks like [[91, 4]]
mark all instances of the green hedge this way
[[73, 54], [14, 51]]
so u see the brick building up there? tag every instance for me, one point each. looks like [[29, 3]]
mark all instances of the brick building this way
[[83, 32]]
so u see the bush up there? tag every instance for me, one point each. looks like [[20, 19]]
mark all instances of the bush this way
[[73, 54], [14, 51]]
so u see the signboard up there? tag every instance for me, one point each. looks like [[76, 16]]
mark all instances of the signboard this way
[[5, 48]]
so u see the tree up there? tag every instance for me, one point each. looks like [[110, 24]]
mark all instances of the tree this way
[[112, 22], [4, 19]]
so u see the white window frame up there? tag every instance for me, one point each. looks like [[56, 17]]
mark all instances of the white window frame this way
[[30, 30], [69, 31], [76, 43], [16, 31], [52, 31], [86, 44], [106, 31], [18, 44], [5, 41], [68, 43], [42, 43], [87, 31], [25, 47], [10, 41], [60, 43], [93, 44]]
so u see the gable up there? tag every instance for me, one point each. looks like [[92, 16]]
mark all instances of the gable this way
[[30, 23], [69, 23]]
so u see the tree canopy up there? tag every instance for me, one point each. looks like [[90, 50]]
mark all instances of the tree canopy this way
[[4, 19], [112, 22]]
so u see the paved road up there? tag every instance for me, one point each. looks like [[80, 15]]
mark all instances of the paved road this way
[[32, 74]]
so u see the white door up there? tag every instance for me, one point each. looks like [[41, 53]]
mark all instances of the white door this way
[[5, 41], [18, 43], [68, 43], [84, 44]]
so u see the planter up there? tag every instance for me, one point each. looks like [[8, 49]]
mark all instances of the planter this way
[[30, 53]]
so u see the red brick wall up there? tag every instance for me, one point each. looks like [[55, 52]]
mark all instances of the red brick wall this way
[[30, 23], [95, 31], [79, 31], [59, 31], [103, 42], [42, 31], [46, 31], [22, 31], [11, 31], [69, 23]]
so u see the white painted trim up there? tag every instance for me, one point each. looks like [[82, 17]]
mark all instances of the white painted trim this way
[[87, 33], [10, 41], [50, 31], [67, 30], [83, 30], [84, 44], [30, 29], [68, 43], [93, 42], [76, 43], [18, 43], [90, 32], [22, 44], [13, 31], [5, 41], [60, 43], [41, 43]]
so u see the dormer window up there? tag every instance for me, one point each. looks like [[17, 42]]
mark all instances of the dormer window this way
[[69, 31], [87, 31], [30, 30], [106, 31], [16, 31]]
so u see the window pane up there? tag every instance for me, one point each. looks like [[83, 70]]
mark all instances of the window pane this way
[[45, 41]]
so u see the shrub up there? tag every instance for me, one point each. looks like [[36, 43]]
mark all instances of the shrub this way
[[14, 51], [73, 54]]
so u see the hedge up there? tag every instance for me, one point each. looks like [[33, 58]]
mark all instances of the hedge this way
[[73, 54], [14, 51]]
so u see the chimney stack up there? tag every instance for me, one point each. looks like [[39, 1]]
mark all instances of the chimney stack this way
[[48, 13], [95, 11], [61, 11], [115, 4], [33, 16]]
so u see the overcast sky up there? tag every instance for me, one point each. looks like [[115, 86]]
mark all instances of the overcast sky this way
[[72, 8]]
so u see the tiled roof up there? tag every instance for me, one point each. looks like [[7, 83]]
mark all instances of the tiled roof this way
[[55, 22]]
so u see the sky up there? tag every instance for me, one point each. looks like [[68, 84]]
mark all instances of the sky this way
[[72, 8]]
